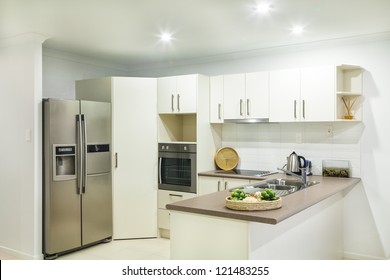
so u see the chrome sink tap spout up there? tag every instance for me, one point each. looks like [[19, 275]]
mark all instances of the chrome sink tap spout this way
[[303, 177]]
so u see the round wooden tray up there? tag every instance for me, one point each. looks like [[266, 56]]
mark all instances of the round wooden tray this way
[[226, 158], [247, 206]]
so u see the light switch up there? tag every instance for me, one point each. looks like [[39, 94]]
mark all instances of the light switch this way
[[28, 134]]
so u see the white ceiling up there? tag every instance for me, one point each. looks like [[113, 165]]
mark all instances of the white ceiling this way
[[126, 31]]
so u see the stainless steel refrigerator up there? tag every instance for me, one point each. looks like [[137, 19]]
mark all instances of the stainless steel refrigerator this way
[[77, 185]]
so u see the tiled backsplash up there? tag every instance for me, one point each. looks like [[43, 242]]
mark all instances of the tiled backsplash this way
[[265, 146]]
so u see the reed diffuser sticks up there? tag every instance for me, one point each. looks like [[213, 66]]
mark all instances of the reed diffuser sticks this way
[[348, 106]]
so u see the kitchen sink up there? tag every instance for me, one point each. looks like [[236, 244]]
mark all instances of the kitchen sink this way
[[282, 187]]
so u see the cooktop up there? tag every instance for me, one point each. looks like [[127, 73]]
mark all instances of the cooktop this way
[[245, 172]]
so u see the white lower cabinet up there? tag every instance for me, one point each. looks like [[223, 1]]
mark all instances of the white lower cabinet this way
[[164, 198], [207, 184]]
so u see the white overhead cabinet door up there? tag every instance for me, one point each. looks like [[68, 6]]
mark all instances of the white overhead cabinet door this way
[[318, 93], [285, 95], [246, 96], [234, 96], [257, 95], [177, 94], [306, 94]]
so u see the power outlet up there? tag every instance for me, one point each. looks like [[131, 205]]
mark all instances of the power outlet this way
[[298, 138], [329, 130]]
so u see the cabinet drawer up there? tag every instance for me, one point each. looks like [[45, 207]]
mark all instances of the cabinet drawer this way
[[166, 197]]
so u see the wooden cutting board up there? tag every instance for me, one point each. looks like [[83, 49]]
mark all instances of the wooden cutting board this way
[[226, 158]]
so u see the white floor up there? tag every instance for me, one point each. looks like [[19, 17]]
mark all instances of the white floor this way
[[135, 249]]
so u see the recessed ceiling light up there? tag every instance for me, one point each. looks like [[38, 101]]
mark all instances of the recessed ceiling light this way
[[263, 8], [297, 29], [166, 37]]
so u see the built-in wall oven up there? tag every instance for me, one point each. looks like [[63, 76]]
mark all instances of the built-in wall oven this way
[[177, 167]]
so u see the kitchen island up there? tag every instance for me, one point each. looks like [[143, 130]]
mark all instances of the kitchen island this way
[[309, 225]]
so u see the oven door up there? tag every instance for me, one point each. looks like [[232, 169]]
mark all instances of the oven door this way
[[177, 172]]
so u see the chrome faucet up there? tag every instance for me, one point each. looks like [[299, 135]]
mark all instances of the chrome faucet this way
[[303, 177]]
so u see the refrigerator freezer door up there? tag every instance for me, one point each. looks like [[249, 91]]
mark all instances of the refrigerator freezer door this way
[[97, 199], [62, 204]]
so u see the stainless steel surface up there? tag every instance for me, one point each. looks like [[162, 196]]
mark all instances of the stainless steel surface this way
[[77, 211], [245, 172], [281, 187], [295, 163], [302, 177], [295, 109], [248, 120], [178, 102]]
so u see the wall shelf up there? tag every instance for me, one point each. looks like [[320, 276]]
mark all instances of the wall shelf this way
[[349, 88]]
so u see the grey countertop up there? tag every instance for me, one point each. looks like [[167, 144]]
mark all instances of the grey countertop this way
[[214, 204]]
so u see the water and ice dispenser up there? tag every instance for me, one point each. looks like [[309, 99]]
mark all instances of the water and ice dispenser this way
[[64, 162]]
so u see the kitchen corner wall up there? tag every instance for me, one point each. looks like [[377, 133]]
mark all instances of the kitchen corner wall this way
[[20, 145]]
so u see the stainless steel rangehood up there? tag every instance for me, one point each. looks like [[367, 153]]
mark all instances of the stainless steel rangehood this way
[[250, 120]]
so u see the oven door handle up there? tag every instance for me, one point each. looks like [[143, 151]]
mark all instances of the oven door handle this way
[[159, 170]]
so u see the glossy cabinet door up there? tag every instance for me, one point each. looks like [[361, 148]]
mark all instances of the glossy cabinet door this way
[[284, 103], [246, 96], [187, 88], [177, 94], [134, 102], [208, 184], [216, 99], [257, 95], [166, 94], [234, 96], [318, 93]]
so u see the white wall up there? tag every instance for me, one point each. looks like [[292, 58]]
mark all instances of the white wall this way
[[61, 70], [20, 145]]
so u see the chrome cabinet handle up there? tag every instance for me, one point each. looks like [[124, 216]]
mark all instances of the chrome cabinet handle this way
[[219, 111], [247, 107], [172, 102], [295, 109], [303, 109], [116, 160], [240, 107], [176, 195], [226, 185], [178, 102], [219, 185]]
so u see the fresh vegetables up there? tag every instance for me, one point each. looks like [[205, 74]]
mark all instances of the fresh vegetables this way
[[265, 195], [268, 194], [238, 194]]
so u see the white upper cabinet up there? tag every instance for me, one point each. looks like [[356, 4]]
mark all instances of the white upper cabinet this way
[[257, 95], [306, 94], [318, 93], [246, 96], [177, 94], [284, 95], [233, 96], [216, 99]]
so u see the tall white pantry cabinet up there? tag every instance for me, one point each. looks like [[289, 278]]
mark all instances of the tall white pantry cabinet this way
[[134, 150]]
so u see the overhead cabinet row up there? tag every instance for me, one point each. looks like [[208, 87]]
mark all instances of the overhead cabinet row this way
[[294, 95]]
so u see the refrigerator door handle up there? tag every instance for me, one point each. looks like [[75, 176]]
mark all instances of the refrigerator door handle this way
[[84, 154], [79, 154]]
